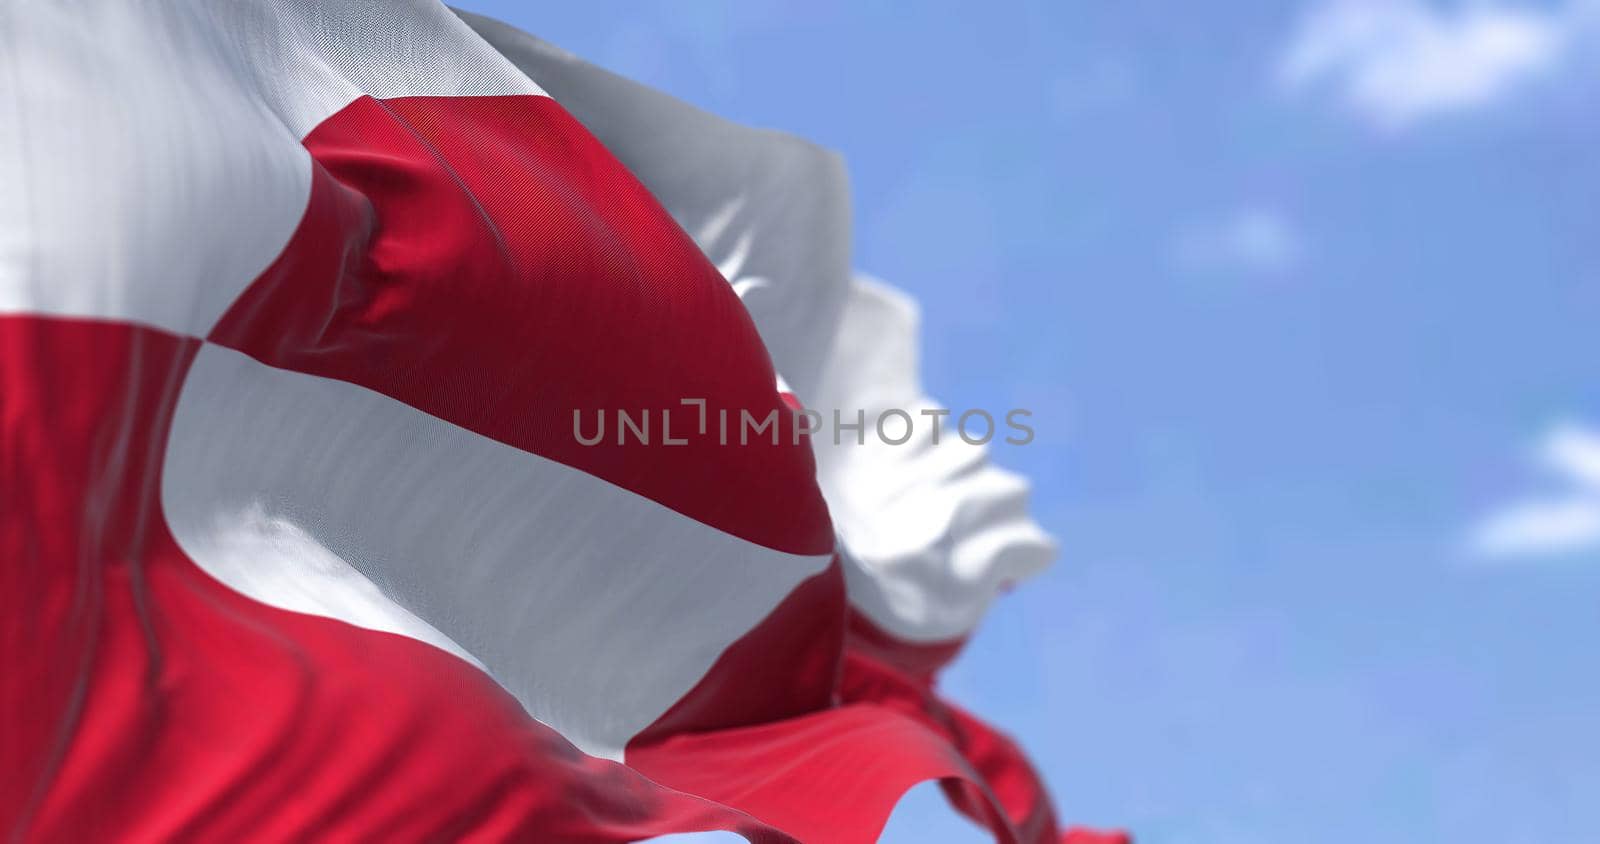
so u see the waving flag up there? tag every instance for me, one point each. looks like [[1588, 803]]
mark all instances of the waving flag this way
[[299, 303]]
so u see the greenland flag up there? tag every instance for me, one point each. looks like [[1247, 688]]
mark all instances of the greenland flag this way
[[297, 303]]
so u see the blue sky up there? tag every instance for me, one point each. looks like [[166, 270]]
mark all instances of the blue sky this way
[[1303, 296]]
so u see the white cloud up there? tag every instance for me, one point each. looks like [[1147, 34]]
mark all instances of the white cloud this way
[[1251, 239], [1575, 452], [1556, 524], [1399, 61]]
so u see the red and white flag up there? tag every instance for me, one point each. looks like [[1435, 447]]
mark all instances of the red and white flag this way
[[298, 302]]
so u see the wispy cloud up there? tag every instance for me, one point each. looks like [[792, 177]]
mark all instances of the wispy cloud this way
[[1397, 62], [1257, 240], [1552, 524]]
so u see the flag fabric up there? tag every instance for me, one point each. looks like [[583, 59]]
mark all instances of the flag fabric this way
[[301, 306]]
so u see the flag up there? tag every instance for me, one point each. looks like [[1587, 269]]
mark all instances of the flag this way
[[303, 309]]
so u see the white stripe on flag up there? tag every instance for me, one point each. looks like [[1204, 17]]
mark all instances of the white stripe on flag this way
[[596, 607]]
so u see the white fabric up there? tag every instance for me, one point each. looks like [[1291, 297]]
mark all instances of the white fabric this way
[[930, 533], [144, 179], [150, 157]]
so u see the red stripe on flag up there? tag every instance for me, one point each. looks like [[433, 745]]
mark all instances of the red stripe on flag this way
[[486, 260]]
